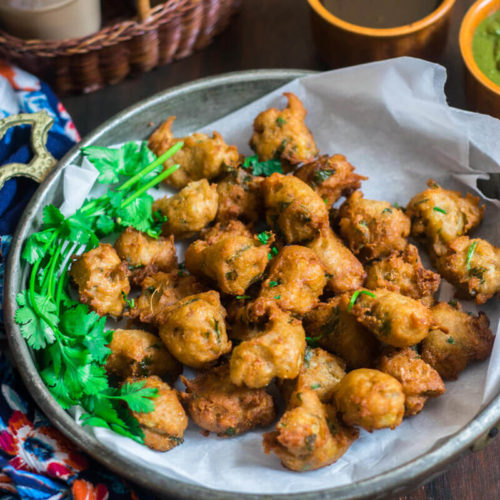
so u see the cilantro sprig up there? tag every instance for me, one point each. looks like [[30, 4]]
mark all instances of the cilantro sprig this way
[[355, 296], [264, 168]]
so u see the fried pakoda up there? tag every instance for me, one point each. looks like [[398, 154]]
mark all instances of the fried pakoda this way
[[331, 177], [274, 348], [201, 157], [229, 258], [309, 435], [320, 372], [102, 280], [403, 272], [240, 196], [372, 229], [195, 331], [473, 267], [160, 292], [458, 340], [137, 353], [293, 209], [393, 318], [296, 279], [371, 399], [337, 331], [345, 272], [190, 210], [419, 380], [163, 427], [283, 134], [439, 215], [145, 255], [217, 405]]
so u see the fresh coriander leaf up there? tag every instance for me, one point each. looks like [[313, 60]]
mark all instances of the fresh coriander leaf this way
[[34, 248], [105, 224], [264, 237], [97, 382], [52, 217], [138, 397], [272, 284], [137, 214], [265, 168], [108, 161]]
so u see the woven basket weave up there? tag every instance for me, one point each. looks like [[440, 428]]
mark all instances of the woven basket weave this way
[[158, 35]]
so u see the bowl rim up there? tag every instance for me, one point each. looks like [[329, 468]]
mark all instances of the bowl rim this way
[[415, 472], [406, 29], [466, 37]]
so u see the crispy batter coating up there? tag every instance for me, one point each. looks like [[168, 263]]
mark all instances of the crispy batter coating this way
[[458, 340], [371, 399], [275, 349], [473, 267], [160, 292], [296, 279], [137, 353], [201, 157], [217, 405], [282, 134], [309, 435], [337, 331], [440, 215], [240, 196], [403, 272], [190, 210], [331, 177], [232, 260], [214, 233], [345, 271], [393, 318], [102, 280], [145, 255], [372, 229], [419, 380], [292, 208], [164, 427], [195, 331], [320, 372]]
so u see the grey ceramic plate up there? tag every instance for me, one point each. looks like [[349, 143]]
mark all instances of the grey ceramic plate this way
[[197, 104]]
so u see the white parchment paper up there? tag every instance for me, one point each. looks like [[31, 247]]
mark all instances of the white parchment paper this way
[[392, 122]]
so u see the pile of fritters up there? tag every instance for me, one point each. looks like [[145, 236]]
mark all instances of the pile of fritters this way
[[330, 307]]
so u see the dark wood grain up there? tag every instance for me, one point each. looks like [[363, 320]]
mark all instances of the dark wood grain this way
[[276, 34]]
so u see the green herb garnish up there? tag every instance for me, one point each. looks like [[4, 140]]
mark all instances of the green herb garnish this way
[[273, 283], [264, 237], [355, 296], [243, 297], [315, 386], [277, 297], [450, 340], [470, 253], [280, 121], [440, 210], [264, 168], [321, 176]]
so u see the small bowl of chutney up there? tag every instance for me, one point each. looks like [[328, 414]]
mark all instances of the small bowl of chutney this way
[[480, 47], [351, 32]]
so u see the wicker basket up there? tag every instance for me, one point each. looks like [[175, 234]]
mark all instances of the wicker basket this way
[[170, 30]]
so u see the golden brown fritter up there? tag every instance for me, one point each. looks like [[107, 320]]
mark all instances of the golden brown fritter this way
[[214, 233], [275, 348], [473, 267], [321, 372], [283, 134], [201, 157], [163, 427], [240, 196], [393, 318], [102, 280], [345, 272], [190, 210], [371, 399], [439, 215], [337, 331], [232, 260], [419, 380], [145, 255], [331, 177], [195, 331], [160, 292], [372, 229], [403, 272], [137, 353], [458, 340], [309, 435], [296, 280], [217, 405], [293, 209]]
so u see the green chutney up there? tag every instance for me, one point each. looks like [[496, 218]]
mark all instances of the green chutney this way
[[486, 47]]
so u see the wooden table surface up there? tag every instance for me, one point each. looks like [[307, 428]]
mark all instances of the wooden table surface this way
[[277, 34]]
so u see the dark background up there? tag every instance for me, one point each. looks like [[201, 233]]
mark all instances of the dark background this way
[[277, 34]]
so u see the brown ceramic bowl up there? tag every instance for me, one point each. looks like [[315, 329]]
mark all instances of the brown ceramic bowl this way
[[482, 94], [342, 44]]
